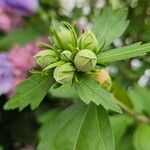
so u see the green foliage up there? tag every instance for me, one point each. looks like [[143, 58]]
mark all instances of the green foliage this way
[[69, 130], [85, 124], [122, 53], [110, 25], [141, 99], [121, 94], [141, 137], [90, 90], [20, 36], [126, 142], [48, 2], [119, 125], [30, 92], [66, 91], [45, 119]]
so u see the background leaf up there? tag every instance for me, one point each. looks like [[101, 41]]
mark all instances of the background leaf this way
[[70, 128], [141, 137], [126, 142], [46, 118], [66, 91], [141, 99], [110, 25], [90, 90], [121, 94], [30, 92], [122, 53], [21, 37], [119, 125]]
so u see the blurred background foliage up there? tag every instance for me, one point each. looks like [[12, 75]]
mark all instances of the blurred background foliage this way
[[131, 78]]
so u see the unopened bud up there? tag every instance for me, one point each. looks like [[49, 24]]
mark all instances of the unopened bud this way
[[45, 57], [85, 60], [66, 55], [64, 73], [88, 41], [66, 37], [103, 77]]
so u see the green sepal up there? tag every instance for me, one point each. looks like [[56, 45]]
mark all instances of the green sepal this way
[[45, 46], [53, 65], [69, 26]]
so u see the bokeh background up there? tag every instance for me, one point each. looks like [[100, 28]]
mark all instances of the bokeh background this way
[[23, 23]]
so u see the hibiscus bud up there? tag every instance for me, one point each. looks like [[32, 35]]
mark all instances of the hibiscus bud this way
[[64, 73], [66, 38], [66, 55], [88, 41], [85, 60], [102, 76], [45, 57]]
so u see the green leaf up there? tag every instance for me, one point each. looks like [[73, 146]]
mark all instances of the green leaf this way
[[79, 127], [141, 138], [121, 94], [20, 36], [110, 25], [30, 92], [136, 101], [126, 142], [90, 90], [119, 125], [66, 91], [122, 53], [141, 99], [46, 119]]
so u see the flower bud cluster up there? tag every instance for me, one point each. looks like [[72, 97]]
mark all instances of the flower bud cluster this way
[[69, 55]]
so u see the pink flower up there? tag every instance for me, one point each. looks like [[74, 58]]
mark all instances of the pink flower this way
[[9, 20], [14, 65], [22, 59]]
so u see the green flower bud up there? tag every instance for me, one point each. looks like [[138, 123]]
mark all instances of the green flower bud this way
[[67, 38], [88, 41], [64, 73], [66, 55], [45, 57], [103, 77], [85, 60]]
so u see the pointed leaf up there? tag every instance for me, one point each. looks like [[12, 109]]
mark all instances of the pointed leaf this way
[[122, 53], [110, 25], [79, 127], [30, 92], [90, 90], [66, 91]]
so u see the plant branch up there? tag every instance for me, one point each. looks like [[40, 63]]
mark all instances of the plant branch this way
[[134, 115]]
